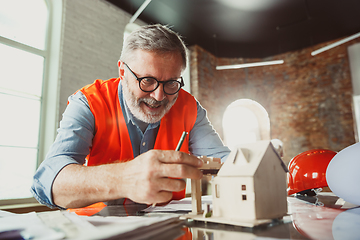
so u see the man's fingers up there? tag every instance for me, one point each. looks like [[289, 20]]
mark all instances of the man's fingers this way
[[167, 186], [154, 175], [162, 190], [162, 196], [176, 164], [171, 184], [178, 157], [180, 171]]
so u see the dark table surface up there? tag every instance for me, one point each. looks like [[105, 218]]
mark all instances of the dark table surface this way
[[313, 217]]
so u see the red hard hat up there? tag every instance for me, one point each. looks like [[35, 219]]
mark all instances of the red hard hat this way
[[308, 170]]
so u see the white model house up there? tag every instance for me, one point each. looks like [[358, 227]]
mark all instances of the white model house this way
[[249, 189], [251, 184]]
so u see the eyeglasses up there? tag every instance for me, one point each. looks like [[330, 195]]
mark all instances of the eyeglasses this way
[[150, 84]]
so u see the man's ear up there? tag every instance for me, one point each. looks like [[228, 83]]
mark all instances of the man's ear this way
[[121, 69]]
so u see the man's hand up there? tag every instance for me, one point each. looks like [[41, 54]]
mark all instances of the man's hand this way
[[149, 178], [154, 175]]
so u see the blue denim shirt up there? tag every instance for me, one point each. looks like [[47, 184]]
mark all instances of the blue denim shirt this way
[[76, 132]]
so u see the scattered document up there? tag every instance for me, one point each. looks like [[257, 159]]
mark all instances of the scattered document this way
[[183, 205], [27, 226], [131, 227], [55, 225]]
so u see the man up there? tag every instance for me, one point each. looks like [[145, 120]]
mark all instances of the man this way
[[117, 138]]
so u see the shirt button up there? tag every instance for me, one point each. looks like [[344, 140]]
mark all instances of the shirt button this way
[[143, 143]]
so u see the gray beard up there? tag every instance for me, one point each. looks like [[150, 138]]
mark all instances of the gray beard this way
[[133, 104]]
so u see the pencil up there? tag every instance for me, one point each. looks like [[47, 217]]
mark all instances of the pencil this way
[[182, 138], [181, 141]]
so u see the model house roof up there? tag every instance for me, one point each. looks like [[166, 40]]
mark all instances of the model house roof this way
[[245, 160]]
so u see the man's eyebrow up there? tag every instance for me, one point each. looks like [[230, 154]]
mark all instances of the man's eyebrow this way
[[169, 79], [151, 76]]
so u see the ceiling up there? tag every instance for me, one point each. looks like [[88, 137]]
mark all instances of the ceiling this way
[[252, 28]]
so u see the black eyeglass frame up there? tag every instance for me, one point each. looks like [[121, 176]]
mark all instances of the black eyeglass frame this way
[[157, 81]]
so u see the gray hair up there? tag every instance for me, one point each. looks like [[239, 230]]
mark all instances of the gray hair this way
[[153, 38]]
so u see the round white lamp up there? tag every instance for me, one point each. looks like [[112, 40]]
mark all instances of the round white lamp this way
[[343, 174]]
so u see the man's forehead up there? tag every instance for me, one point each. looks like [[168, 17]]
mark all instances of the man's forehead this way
[[156, 59]]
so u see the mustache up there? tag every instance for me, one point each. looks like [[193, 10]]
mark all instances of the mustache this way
[[153, 102]]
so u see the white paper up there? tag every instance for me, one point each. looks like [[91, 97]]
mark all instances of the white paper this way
[[125, 226], [62, 224], [30, 225], [6, 214], [180, 205]]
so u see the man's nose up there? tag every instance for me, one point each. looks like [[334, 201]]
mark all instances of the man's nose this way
[[158, 94]]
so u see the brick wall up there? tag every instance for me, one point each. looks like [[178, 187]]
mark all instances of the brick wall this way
[[91, 44], [309, 99]]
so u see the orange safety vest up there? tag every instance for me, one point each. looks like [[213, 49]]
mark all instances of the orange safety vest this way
[[111, 142]]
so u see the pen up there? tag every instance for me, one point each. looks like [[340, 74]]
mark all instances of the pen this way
[[181, 141], [182, 138]]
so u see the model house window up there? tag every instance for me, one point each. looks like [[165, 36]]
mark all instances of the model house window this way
[[217, 190], [245, 121], [24, 64], [243, 197]]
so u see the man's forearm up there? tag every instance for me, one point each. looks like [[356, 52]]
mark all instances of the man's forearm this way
[[79, 186]]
